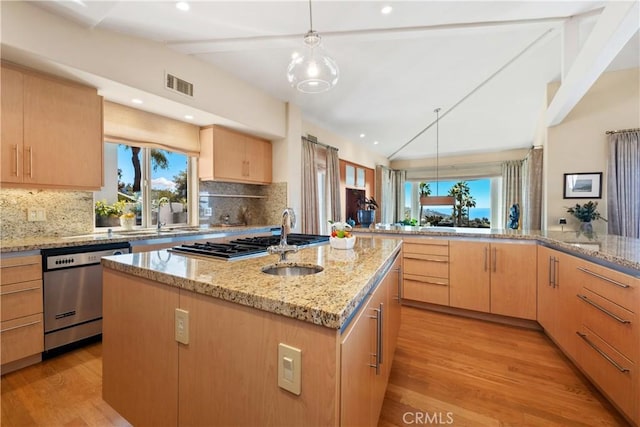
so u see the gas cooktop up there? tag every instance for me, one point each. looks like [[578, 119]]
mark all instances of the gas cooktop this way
[[247, 247]]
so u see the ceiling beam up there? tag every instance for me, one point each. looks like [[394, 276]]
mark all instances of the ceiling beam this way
[[617, 24]]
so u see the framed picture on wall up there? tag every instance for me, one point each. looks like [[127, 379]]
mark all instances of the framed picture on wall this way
[[583, 185]]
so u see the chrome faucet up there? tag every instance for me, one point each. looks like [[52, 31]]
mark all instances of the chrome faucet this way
[[288, 222], [161, 202]]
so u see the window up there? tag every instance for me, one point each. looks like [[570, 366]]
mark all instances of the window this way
[[483, 193], [151, 182]]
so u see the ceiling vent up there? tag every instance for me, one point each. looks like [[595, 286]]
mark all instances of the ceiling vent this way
[[178, 85]]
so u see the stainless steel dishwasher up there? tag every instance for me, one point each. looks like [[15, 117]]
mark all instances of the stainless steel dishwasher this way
[[72, 288]]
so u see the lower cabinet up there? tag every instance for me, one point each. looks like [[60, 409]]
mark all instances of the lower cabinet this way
[[227, 373], [426, 270], [21, 329]]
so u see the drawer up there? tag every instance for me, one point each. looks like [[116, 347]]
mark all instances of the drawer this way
[[21, 338], [426, 289], [426, 265], [22, 269], [613, 373], [617, 287], [21, 299], [428, 247], [612, 323]]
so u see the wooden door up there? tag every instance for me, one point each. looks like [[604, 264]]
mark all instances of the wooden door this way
[[63, 144], [258, 158], [513, 280], [568, 306], [547, 291], [469, 275], [11, 119], [229, 155]]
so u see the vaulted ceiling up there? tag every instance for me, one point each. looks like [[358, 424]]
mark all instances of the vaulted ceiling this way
[[486, 64]]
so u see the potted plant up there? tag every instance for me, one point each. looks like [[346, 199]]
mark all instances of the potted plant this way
[[585, 214], [108, 215], [367, 211]]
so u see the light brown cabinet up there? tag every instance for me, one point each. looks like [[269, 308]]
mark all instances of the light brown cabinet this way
[[497, 278], [21, 330], [426, 270], [151, 379], [51, 132], [230, 156]]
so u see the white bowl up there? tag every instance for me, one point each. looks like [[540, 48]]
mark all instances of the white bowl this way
[[344, 243]]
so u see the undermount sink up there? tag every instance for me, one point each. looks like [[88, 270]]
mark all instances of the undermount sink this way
[[292, 269]]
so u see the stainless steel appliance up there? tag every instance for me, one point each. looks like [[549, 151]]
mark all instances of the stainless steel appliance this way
[[72, 287], [248, 247]]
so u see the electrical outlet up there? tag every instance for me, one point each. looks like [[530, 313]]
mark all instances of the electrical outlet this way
[[36, 214], [289, 368], [182, 326]]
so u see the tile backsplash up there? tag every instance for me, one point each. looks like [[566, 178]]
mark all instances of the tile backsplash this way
[[67, 213]]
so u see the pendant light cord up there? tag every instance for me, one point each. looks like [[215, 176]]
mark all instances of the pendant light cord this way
[[437, 111], [310, 17]]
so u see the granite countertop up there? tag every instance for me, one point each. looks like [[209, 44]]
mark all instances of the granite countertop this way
[[617, 250], [327, 298], [139, 235]]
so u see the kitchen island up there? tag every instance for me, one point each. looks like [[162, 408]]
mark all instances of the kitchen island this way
[[226, 370]]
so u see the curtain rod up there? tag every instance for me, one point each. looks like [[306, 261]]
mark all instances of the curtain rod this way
[[611, 132], [319, 143]]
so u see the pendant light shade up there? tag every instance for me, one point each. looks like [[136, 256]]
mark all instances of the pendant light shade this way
[[313, 71]]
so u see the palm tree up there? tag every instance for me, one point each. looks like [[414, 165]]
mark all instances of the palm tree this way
[[463, 201], [158, 160]]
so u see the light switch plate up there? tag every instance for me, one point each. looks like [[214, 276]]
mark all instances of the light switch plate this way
[[36, 214], [289, 368], [182, 326]]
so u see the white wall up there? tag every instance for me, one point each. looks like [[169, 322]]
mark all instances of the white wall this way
[[579, 143]]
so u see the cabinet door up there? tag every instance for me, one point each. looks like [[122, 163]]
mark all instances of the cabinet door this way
[[258, 160], [62, 134], [394, 286], [228, 155], [469, 275], [11, 125], [568, 305], [547, 291], [513, 280]]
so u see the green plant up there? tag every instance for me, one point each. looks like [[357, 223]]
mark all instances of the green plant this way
[[424, 189], [367, 204], [102, 208], [412, 222], [586, 212]]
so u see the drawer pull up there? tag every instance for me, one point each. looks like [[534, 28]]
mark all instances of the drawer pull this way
[[20, 326], [37, 288], [584, 270], [426, 259], [602, 309], [602, 353]]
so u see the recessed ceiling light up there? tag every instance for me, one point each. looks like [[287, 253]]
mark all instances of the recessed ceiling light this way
[[183, 6], [362, 135], [188, 116], [386, 10], [136, 101], [375, 142]]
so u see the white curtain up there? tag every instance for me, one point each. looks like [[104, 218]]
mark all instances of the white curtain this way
[[532, 190], [511, 188], [391, 195], [333, 182], [309, 215], [623, 184]]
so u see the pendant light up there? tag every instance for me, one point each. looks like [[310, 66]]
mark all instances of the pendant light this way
[[313, 71], [437, 200]]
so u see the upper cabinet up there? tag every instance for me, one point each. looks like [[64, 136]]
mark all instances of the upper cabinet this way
[[231, 156], [51, 133]]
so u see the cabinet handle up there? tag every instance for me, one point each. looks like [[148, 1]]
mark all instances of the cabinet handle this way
[[551, 275], [426, 259], [584, 270], [485, 258], [602, 353], [602, 309], [380, 334], [20, 326], [30, 162], [556, 276], [495, 256], [376, 355], [15, 147], [430, 282], [20, 290]]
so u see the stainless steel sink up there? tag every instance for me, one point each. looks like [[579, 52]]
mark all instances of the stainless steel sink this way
[[292, 269]]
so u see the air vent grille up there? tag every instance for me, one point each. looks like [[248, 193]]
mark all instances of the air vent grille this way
[[178, 85]]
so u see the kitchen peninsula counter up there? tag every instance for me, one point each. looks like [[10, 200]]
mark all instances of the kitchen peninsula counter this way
[[327, 298], [611, 250]]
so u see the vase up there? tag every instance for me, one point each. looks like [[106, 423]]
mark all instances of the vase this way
[[586, 227], [366, 217]]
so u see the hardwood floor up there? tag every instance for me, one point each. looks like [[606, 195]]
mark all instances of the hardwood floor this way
[[447, 370]]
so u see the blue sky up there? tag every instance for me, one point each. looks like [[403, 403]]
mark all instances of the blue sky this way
[[161, 178]]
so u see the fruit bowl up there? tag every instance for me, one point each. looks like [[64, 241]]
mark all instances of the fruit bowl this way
[[342, 243]]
